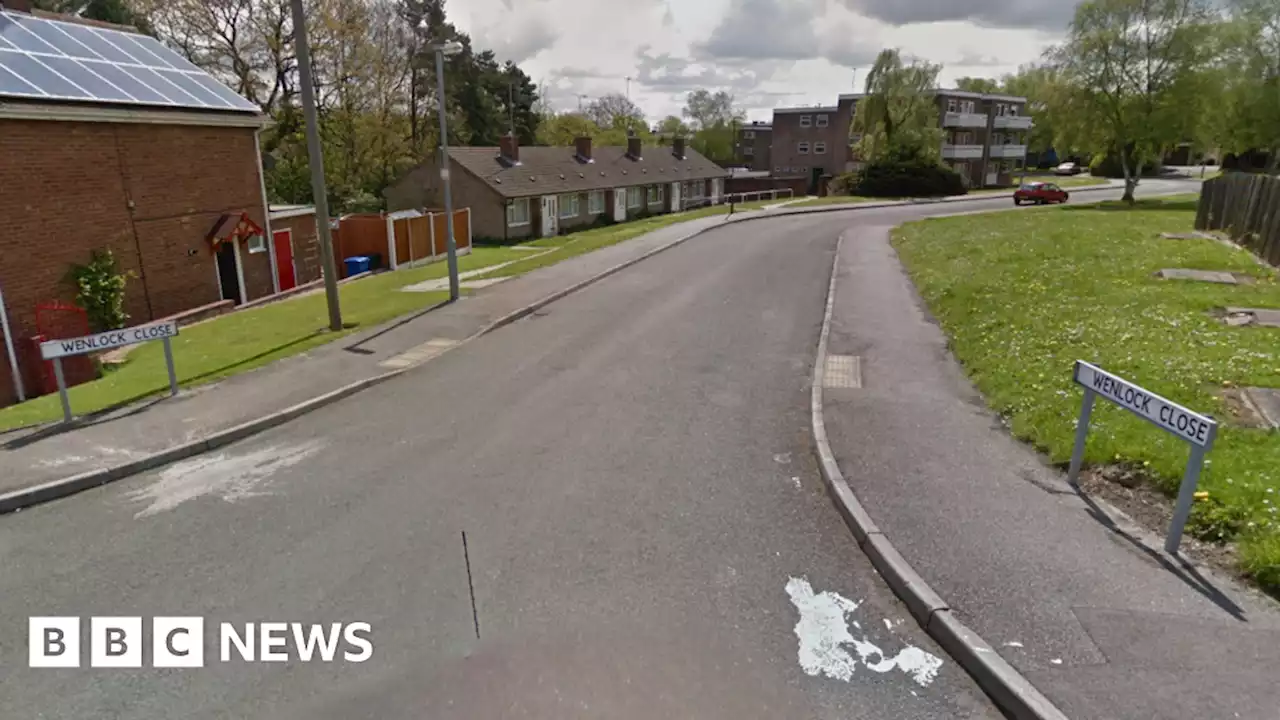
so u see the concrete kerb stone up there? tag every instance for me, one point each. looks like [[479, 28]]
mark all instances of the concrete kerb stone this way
[[1006, 686], [62, 487]]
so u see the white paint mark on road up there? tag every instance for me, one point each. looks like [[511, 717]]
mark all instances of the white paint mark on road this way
[[231, 477], [1013, 644], [796, 481], [888, 623], [782, 458], [1056, 661], [823, 632]]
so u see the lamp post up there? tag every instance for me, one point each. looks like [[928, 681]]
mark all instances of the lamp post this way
[[441, 50], [315, 156]]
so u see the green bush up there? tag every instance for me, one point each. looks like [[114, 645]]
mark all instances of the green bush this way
[[907, 177], [1109, 166], [100, 290]]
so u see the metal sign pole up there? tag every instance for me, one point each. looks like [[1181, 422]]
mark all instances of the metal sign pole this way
[[8, 346], [1186, 496], [168, 360], [1082, 432], [62, 389]]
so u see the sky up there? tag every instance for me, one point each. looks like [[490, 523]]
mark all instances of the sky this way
[[767, 53]]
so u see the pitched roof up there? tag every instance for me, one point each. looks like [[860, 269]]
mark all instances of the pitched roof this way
[[550, 170]]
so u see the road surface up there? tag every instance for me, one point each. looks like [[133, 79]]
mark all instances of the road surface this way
[[646, 530]]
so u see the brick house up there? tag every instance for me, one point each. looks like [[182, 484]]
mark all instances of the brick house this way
[[753, 146], [112, 141], [516, 192], [984, 138]]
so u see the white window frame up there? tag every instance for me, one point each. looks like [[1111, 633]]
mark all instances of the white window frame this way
[[256, 244], [819, 148], [968, 106], [822, 121], [778, 169], [952, 105], [748, 134], [635, 198], [802, 147], [513, 214], [1013, 111], [806, 121], [748, 150], [595, 202], [570, 206], [653, 194]]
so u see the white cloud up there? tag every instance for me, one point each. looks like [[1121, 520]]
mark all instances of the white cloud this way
[[768, 53]]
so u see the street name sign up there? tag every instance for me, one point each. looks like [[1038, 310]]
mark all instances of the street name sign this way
[[55, 350], [1195, 428]]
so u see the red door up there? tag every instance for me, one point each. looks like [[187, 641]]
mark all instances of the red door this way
[[283, 240]]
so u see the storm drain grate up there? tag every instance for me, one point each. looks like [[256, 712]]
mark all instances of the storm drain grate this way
[[842, 371]]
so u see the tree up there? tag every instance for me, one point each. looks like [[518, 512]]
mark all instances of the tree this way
[[607, 110], [714, 122], [898, 116], [978, 85], [565, 128], [1037, 83], [118, 12], [1250, 111], [674, 126], [1129, 69]]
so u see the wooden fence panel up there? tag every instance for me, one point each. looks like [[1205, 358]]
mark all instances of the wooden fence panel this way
[[1245, 206], [360, 235]]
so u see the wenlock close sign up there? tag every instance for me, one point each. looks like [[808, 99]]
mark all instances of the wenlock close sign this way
[[108, 340], [1198, 430], [1190, 426], [55, 350]]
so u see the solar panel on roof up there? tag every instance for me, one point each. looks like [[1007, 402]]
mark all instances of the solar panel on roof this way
[[53, 60]]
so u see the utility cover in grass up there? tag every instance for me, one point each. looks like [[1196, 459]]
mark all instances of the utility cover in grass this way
[[1265, 317], [1267, 402], [1201, 275]]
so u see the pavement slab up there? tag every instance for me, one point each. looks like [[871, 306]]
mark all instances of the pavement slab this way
[[1105, 624]]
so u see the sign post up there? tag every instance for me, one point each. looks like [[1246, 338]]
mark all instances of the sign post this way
[[55, 350], [1196, 429]]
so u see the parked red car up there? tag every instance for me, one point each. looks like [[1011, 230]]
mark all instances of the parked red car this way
[[1039, 193]]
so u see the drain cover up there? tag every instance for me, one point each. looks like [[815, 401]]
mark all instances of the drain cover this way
[[842, 371]]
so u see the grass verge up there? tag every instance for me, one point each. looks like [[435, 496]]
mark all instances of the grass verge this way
[[1023, 295], [1063, 182]]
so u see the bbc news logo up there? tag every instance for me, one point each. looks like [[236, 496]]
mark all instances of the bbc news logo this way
[[179, 642]]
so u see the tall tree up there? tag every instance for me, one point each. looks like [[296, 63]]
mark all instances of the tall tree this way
[[674, 126], [119, 12], [565, 128], [898, 115], [608, 110], [1129, 69], [1037, 84], [715, 119], [978, 84], [1250, 115]]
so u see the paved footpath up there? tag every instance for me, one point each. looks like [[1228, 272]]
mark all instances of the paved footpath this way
[[31, 457], [1104, 624]]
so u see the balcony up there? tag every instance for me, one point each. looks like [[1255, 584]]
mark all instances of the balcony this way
[[962, 152], [968, 120], [1013, 122], [1008, 151]]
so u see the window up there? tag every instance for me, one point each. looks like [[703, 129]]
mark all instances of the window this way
[[633, 197], [748, 134], [951, 104], [967, 106], [595, 202], [806, 121], [802, 148], [655, 194], [1013, 111], [257, 244], [570, 205], [748, 151], [819, 148], [778, 170], [822, 121], [518, 212]]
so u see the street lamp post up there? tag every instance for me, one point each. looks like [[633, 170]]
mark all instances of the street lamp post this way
[[451, 245], [316, 158]]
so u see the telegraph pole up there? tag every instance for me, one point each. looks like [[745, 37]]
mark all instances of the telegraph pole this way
[[316, 156]]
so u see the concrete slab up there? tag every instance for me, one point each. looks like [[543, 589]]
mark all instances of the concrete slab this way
[[1197, 235], [1267, 402], [1213, 276], [1266, 317]]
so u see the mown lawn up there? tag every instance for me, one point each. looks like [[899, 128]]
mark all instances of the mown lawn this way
[[1022, 295]]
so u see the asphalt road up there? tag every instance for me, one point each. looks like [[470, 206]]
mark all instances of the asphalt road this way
[[646, 530]]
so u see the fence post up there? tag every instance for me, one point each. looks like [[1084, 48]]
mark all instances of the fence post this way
[[1202, 207]]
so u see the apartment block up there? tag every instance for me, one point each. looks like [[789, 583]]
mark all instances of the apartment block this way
[[753, 146], [985, 138]]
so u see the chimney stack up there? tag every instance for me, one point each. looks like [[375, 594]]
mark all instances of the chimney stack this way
[[633, 146], [583, 146], [677, 146], [18, 5], [510, 149]]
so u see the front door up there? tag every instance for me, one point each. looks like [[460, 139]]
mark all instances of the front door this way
[[675, 197], [550, 216], [715, 191], [619, 204], [228, 275], [283, 240]]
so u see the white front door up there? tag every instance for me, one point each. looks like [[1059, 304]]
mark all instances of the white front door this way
[[715, 190], [675, 197], [550, 215], [620, 205]]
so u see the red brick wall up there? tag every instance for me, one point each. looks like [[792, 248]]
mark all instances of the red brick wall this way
[[150, 193]]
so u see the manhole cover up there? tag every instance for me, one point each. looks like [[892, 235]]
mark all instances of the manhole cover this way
[[842, 371]]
